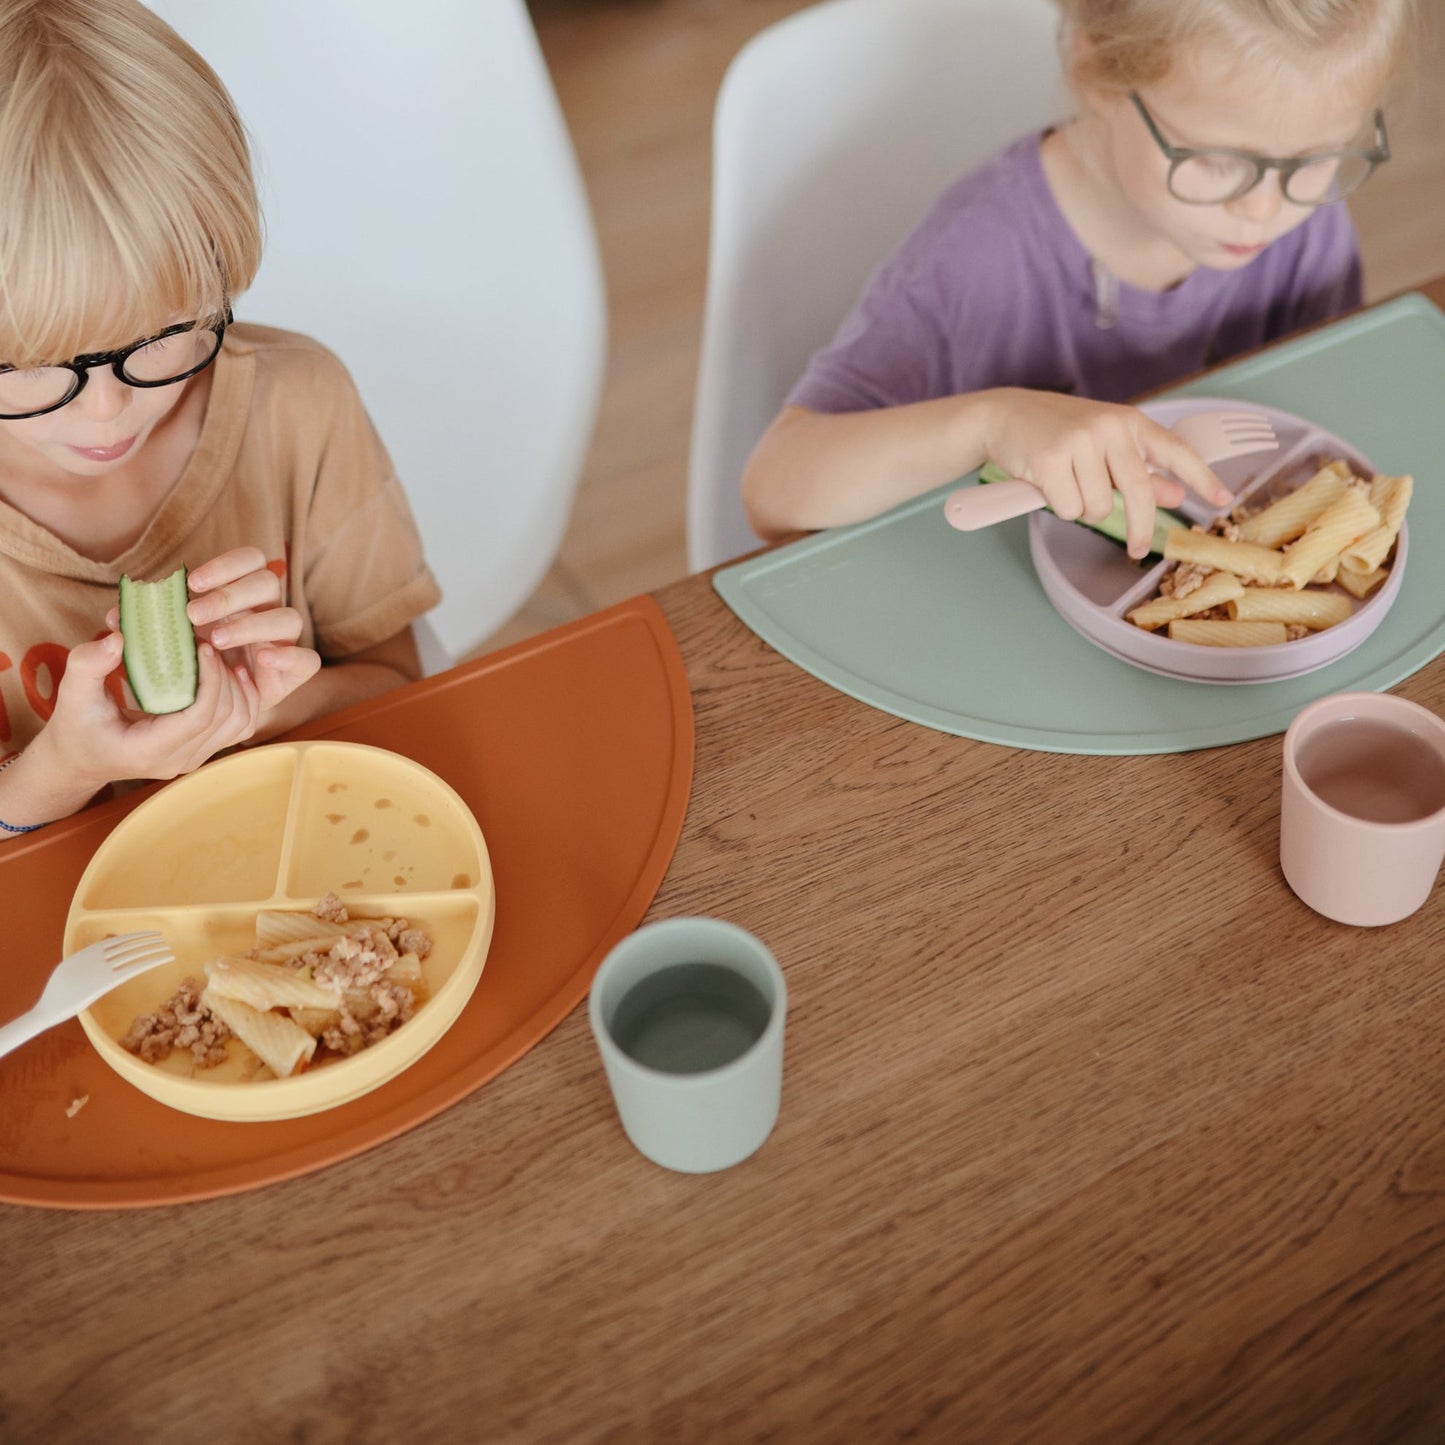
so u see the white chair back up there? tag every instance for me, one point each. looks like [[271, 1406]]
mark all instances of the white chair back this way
[[426, 220], [835, 129]]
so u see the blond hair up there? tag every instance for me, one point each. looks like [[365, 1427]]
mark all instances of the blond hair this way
[[126, 192], [1132, 43]]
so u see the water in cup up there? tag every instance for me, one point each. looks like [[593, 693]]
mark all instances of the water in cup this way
[[1373, 771], [690, 1017]]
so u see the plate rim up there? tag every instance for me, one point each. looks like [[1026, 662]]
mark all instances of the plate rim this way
[[192, 1095]]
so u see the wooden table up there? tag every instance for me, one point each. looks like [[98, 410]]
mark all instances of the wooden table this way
[[1090, 1130]]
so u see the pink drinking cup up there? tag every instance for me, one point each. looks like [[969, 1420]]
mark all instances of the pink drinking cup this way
[[1362, 811]]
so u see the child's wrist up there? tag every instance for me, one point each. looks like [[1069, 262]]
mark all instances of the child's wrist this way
[[979, 422], [41, 786], [7, 828], [21, 810]]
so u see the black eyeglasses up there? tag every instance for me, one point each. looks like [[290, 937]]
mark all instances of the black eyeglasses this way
[[167, 357], [1216, 175]]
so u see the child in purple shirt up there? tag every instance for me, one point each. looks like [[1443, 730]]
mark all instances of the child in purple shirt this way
[[1187, 213]]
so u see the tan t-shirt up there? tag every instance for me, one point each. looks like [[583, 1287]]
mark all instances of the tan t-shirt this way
[[287, 461]]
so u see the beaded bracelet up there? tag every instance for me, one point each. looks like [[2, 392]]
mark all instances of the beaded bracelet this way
[[16, 827]]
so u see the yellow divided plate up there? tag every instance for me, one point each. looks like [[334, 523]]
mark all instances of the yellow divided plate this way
[[278, 827]]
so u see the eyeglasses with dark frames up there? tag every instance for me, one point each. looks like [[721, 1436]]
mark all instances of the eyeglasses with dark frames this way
[[164, 359], [1215, 175]]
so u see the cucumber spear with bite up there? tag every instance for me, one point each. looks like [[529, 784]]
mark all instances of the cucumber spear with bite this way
[[159, 649]]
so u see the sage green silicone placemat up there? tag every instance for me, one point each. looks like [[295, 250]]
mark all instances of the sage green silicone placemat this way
[[952, 629]]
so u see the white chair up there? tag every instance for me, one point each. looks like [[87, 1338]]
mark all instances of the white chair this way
[[426, 220], [834, 131]]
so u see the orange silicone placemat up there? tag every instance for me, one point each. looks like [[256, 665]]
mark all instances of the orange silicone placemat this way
[[574, 751]]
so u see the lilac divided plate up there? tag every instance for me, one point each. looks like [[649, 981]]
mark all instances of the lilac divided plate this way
[[1092, 583]]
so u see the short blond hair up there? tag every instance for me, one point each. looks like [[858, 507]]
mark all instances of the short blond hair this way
[[126, 190], [1133, 43]]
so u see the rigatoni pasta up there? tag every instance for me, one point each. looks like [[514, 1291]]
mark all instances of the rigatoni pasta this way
[[1221, 588], [1360, 585], [1345, 520], [1390, 496], [1287, 518], [279, 1042], [1280, 572], [266, 985], [1227, 634], [1315, 610], [1207, 549], [315, 986]]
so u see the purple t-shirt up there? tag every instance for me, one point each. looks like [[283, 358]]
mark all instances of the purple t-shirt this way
[[994, 289]]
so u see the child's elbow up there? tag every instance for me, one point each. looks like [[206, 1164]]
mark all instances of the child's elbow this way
[[760, 504], [763, 480]]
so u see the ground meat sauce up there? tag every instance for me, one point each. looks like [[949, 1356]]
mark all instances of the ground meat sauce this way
[[181, 1022], [369, 1004]]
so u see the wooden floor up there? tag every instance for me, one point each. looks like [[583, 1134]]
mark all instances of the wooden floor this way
[[637, 80]]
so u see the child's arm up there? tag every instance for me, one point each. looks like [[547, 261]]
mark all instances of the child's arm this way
[[814, 469]]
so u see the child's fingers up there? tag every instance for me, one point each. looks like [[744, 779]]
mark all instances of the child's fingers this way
[[1096, 485], [90, 663], [228, 567], [281, 670], [199, 718], [81, 698], [254, 629], [255, 592], [1167, 450], [166, 745], [242, 706], [1136, 486], [1055, 478], [245, 707], [297, 663], [1167, 492], [221, 703], [226, 711]]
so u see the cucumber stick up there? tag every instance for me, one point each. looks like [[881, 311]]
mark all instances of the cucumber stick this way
[[1113, 526], [160, 643]]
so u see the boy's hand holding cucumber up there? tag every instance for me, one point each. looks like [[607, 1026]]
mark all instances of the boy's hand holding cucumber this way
[[234, 602], [205, 670]]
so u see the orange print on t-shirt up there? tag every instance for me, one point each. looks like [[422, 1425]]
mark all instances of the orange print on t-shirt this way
[[49, 657]]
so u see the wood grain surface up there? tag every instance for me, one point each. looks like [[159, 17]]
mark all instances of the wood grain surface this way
[[1090, 1131]]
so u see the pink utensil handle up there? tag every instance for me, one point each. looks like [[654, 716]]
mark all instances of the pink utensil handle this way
[[982, 505]]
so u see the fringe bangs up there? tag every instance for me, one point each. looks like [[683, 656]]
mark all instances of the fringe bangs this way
[[129, 199]]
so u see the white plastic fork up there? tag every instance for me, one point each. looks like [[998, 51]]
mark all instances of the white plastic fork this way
[[1215, 435], [83, 978]]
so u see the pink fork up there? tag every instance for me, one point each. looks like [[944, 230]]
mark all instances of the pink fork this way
[[1215, 435]]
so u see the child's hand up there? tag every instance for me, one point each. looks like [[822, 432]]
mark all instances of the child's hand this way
[[1078, 453], [89, 741], [236, 606]]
